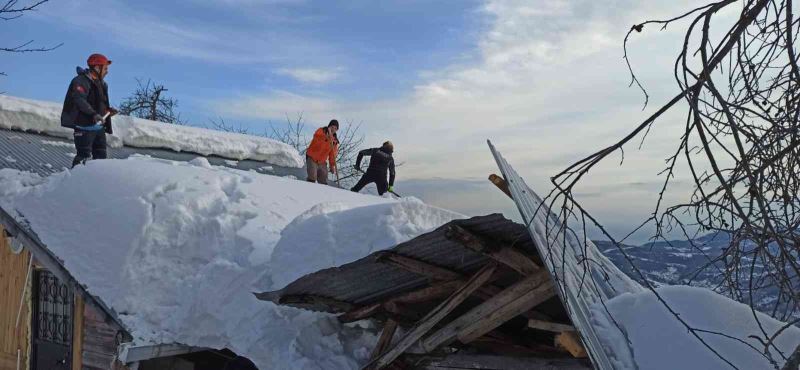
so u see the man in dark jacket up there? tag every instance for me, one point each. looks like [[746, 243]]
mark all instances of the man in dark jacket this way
[[380, 162], [86, 110]]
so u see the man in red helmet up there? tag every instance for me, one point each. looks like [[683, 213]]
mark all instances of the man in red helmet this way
[[87, 111]]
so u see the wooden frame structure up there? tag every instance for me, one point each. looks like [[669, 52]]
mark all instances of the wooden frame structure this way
[[502, 310]]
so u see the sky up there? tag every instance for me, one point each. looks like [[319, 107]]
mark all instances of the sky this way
[[544, 80]]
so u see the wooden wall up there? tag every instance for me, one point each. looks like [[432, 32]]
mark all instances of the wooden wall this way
[[13, 272], [100, 339]]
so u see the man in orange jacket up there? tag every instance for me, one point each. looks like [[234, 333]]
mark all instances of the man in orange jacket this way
[[323, 147]]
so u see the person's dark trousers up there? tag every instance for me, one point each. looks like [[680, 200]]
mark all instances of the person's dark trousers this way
[[89, 144], [369, 177]]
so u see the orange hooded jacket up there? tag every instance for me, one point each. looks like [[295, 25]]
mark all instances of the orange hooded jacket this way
[[321, 148]]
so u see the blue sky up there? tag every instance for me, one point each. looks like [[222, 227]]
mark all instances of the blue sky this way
[[203, 50], [545, 80]]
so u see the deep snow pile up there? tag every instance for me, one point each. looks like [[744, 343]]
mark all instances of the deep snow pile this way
[[348, 234], [178, 248], [659, 341], [45, 117]]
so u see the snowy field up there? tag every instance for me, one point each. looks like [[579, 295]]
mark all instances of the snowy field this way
[[178, 248]]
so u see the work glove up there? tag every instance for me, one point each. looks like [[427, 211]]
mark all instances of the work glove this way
[[113, 111], [391, 188], [98, 119]]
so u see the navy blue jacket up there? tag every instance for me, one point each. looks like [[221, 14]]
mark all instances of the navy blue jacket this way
[[85, 98], [381, 162]]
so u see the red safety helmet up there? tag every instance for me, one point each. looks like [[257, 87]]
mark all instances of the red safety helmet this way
[[97, 60]]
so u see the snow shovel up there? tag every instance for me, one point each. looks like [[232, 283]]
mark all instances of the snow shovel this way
[[330, 140]]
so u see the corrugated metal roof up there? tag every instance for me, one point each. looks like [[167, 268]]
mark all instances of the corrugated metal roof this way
[[46, 155], [584, 276], [367, 281]]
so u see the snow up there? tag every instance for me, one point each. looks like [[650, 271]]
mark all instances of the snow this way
[[45, 117], [659, 341], [9, 159], [177, 248], [58, 143], [348, 234]]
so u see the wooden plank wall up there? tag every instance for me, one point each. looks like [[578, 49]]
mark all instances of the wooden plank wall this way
[[13, 272], [100, 339]]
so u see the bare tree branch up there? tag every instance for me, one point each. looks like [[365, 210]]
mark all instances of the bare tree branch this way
[[149, 102]]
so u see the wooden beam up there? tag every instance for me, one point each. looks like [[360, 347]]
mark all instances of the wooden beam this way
[[475, 361], [418, 267], [77, 333], [570, 341], [385, 340], [500, 183], [435, 316], [549, 326], [506, 255], [432, 271], [500, 316], [424, 294], [532, 289], [429, 293], [312, 301]]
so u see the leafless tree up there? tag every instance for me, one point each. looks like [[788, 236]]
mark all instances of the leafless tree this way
[[739, 80], [295, 134], [219, 124], [11, 10], [149, 102]]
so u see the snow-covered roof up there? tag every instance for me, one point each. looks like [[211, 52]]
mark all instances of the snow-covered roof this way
[[44, 117], [45, 155], [369, 280], [623, 325], [177, 248]]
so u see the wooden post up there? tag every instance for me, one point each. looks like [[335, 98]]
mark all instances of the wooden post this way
[[385, 340], [508, 256], [436, 315], [500, 183], [570, 341], [483, 318]]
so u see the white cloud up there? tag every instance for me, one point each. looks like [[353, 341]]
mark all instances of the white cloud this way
[[311, 75], [549, 87], [186, 37]]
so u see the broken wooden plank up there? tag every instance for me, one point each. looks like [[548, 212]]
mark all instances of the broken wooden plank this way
[[501, 184], [360, 313], [418, 267], [436, 315], [549, 326], [506, 255], [385, 340], [507, 312], [570, 341], [451, 331]]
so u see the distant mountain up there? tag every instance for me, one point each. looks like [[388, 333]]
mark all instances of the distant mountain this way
[[683, 262]]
